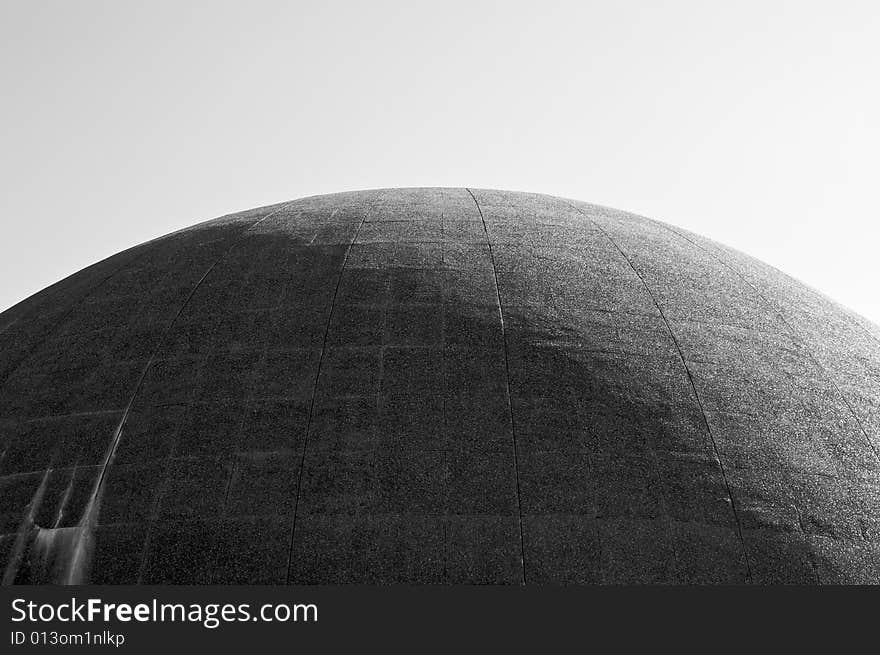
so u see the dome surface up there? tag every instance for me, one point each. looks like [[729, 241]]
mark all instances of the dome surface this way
[[437, 386]]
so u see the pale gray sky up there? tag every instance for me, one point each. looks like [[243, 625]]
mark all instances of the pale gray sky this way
[[754, 123]]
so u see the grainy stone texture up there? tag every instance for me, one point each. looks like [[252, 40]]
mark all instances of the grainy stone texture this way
[[437, 386]]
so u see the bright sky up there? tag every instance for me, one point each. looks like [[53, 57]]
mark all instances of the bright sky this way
[[754, 123]]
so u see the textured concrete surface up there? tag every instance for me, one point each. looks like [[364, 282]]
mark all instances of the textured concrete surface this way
[[437, 386]]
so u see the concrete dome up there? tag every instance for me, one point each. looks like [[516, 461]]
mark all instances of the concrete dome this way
[[437, 386]]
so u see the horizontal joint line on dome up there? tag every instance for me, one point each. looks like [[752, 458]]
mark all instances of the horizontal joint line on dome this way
[[55, 469], [378, 347], [383, 242], [58, 417], [391, 306], [744, 328], [596, 309]]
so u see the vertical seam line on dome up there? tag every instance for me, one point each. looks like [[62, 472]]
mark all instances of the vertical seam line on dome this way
[[522, 550], [690, 379], [793, 332], [90, 513], [302, 461]]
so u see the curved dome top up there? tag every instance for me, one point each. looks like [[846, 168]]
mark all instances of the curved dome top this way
[[432, 386]]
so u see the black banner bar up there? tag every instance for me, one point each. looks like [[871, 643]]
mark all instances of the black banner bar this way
[[143, 619]]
